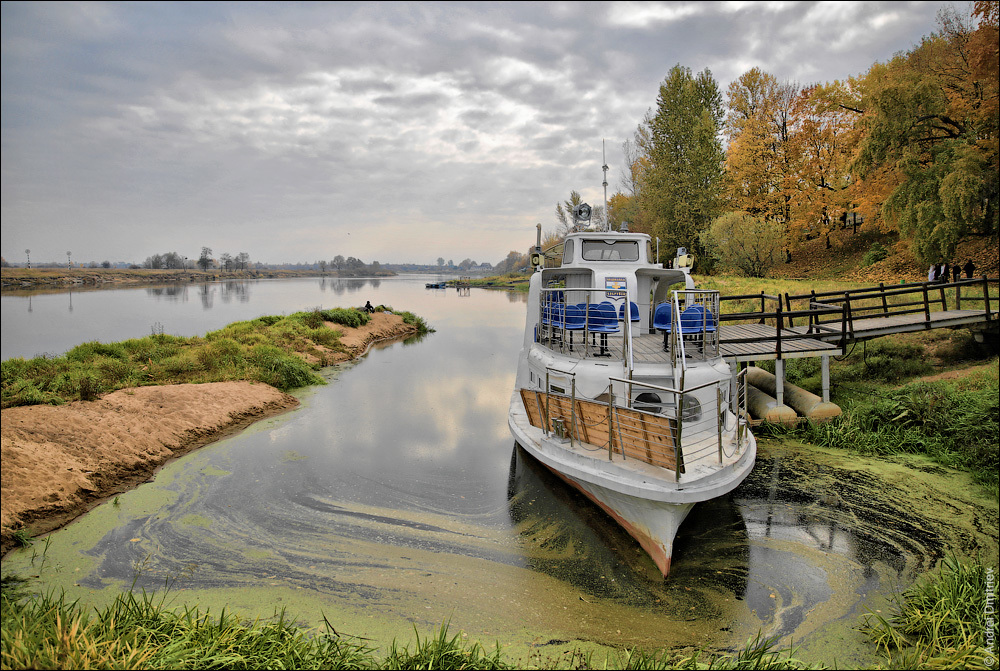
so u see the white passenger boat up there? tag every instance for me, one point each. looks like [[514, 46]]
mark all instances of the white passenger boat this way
[[621, 390]]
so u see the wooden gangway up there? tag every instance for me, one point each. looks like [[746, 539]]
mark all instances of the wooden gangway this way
[[792, 326], [824, 324]]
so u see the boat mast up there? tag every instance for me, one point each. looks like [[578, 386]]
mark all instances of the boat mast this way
[[604, 157]]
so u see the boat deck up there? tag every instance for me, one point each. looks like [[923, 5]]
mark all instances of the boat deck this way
[[737, 342]]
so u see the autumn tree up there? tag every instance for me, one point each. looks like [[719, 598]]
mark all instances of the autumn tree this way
[[623, 206], [760, 159], [820, 148], [932, 117], [681, 188], [745, 243]]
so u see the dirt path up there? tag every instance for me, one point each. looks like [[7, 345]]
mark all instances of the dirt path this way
[[59, 461]]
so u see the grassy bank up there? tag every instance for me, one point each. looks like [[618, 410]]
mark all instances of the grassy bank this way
[[939, 623], [933, 394], [284, 352]]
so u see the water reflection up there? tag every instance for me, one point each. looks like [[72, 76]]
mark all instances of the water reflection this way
[[49, 321], [177, 292]]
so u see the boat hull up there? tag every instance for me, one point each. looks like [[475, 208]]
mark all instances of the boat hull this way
[[653, 524], [650, 510]]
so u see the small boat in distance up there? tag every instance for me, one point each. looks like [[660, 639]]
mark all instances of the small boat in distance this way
[[621, 390], [436, 285]]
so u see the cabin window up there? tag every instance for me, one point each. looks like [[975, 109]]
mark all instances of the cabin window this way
[[610, 250], [568, 252]]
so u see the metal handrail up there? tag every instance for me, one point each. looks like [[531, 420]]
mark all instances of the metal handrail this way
[[626, 317]]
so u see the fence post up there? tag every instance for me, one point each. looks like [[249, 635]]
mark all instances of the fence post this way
[[885, 305], [986, 296], [611, 430], [927, 305], [812, 319], [779, 321]]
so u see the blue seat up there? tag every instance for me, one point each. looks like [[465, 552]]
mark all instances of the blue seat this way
[[662, 317], [697, 319], [575, 318], [552, 313], [633, 312], [663, 321], [602, 319]]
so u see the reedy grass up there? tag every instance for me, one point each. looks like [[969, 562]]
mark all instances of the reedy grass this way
[[955, 423], [270, 349], [939, 623], [142, 632]]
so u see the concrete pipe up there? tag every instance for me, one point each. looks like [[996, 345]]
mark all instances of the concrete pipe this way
[[806, 404], [763, 406]]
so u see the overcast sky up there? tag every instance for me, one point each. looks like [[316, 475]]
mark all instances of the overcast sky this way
[[389, 132]]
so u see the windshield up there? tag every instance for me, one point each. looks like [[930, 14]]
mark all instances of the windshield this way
[[602, 250]]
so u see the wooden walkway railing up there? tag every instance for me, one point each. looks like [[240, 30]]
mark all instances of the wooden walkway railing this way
[[843, 317]]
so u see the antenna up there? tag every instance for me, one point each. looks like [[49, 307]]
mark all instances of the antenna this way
[[604, 157]]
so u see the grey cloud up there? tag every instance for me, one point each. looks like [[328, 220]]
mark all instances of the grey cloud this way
[[151, 126]]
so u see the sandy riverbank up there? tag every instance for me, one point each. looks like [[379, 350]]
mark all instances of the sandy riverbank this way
[[59, 461]]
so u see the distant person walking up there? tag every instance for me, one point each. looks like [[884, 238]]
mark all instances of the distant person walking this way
[[932, 273], [956, 271], [943, 277], [969, 268]]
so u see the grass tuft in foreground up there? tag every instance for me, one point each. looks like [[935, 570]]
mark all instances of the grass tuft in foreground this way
[[941, 622], [139, 632]]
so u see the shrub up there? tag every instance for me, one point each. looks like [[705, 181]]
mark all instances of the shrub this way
[[874, 254], [90, 350], [351, 317], [88, 386], [282, 370]]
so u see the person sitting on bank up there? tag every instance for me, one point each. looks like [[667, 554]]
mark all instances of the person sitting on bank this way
[[368, 307]]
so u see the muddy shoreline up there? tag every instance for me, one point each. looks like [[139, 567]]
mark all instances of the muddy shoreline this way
[[61, 461]]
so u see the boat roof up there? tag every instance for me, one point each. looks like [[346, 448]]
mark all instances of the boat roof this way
[[603, 257]]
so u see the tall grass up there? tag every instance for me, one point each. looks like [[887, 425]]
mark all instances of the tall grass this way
[[270, 349], [955, 423], [140, 632], [942, 622]]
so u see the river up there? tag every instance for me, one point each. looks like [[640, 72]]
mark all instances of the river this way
[[394, 498]]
